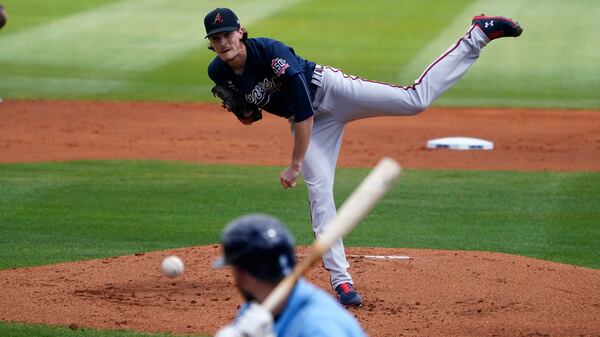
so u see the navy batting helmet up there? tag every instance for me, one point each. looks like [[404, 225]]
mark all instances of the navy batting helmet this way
[[259, 244]]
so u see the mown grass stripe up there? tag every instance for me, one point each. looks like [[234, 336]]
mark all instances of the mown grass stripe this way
[[130, 35], [24, 87], [531, 70]]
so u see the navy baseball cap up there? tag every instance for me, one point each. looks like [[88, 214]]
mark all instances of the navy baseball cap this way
[[220, 20], [259, 244]]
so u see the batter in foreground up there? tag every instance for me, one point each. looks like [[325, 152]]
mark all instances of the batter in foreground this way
[[255, 74], [260, 252]]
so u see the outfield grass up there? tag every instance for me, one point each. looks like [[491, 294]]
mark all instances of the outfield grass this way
[[154, 49], [53, 212]]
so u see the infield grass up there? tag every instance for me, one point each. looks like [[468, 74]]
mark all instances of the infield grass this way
[[54, 212], [29, 330]]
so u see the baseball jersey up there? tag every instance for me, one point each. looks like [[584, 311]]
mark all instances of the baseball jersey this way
[[312, 312], [274, 78]]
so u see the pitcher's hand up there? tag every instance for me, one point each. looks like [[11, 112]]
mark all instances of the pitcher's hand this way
[[288, 177]]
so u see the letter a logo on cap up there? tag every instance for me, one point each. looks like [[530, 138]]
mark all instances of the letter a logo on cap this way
[[218, 19]]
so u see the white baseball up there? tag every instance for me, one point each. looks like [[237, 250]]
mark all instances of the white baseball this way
[[172, 266]]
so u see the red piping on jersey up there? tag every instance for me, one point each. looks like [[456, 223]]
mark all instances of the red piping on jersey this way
[[420, 79]]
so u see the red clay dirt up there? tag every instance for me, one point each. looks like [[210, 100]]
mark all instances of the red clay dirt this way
[[436, 293], [562, 140]]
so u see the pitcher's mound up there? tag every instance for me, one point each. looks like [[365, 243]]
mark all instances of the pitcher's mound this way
[[435, 293]]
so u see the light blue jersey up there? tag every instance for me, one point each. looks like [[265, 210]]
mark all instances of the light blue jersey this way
[[312, 312]]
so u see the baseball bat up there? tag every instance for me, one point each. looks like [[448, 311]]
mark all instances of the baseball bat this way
[[354, 209]]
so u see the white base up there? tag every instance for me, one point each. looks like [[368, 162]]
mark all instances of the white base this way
[[460, 143]]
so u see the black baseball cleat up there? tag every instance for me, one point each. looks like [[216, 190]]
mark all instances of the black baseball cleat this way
[[497, 26], [347, 296]]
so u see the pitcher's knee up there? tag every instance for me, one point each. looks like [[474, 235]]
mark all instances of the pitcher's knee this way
[[419, 107], [322, 210], [419, 102]]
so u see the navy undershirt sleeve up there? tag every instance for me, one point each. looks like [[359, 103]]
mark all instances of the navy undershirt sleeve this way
[[302, 104], [285, 66], [214, 71]]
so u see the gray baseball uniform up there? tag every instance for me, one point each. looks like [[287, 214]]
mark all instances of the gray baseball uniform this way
[[278, 81], [341, 99]]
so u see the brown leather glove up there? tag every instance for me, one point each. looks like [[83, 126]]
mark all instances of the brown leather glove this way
[[246, 112]]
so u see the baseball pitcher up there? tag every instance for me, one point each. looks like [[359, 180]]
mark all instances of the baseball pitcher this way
[[261, 74]]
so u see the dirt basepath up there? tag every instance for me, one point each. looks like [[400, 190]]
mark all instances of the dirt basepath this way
[[436, 293], [524, 139]]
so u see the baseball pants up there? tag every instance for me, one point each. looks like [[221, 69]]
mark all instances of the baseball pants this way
[[341, 98]]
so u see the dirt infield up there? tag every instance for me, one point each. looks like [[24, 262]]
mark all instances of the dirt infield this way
[[524, 139], [437, 293], [449, 293]]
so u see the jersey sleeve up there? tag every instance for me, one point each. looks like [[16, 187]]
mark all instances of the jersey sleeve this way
[[303, 108], [286, 68], [283, 61], [213, 72]]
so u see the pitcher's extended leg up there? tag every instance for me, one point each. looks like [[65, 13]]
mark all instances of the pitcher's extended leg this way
[[350, 98]]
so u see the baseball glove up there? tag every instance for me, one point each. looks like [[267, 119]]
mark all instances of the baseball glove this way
[[246, 112]]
